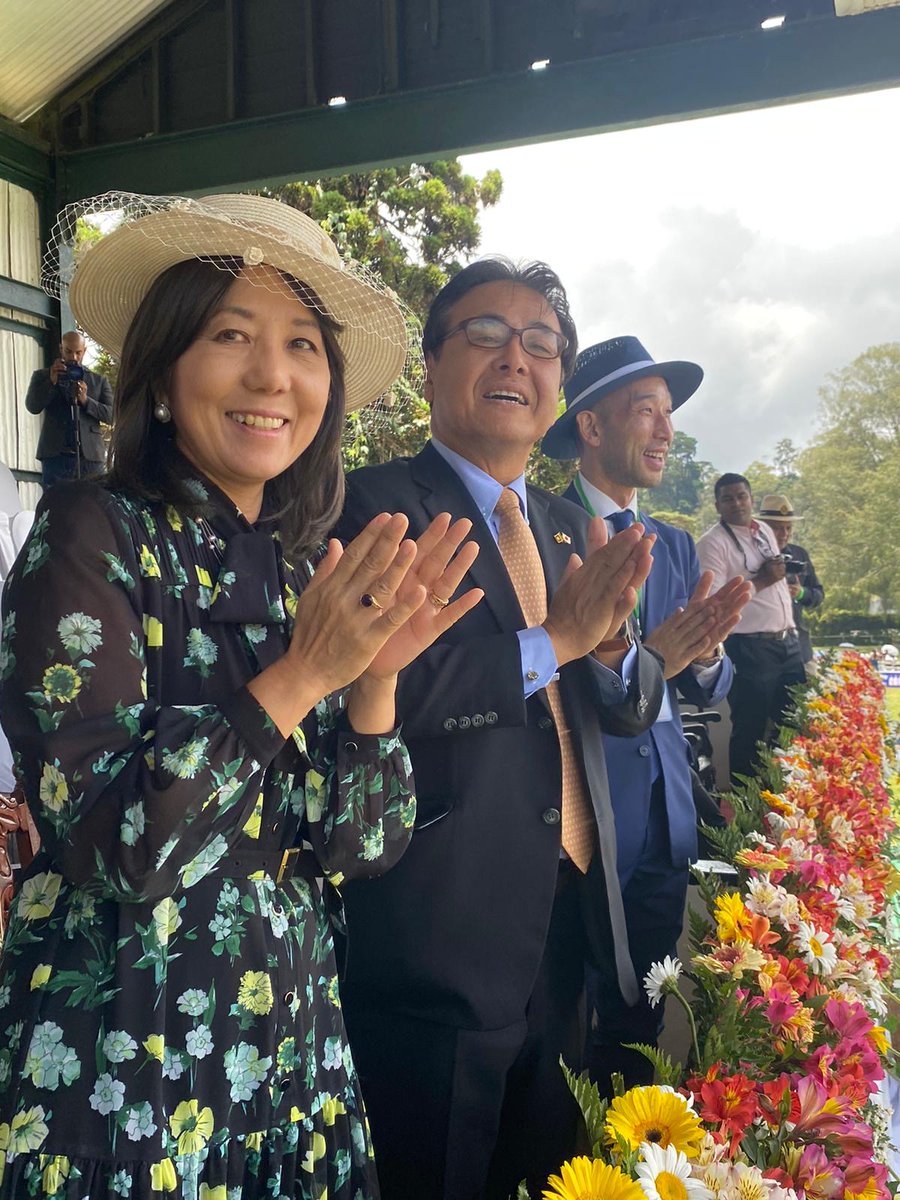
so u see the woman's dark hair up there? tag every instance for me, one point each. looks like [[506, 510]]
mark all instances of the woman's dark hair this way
[[306, 498], [535, 275]]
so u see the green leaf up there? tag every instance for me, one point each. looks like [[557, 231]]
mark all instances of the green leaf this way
[[668, 1073], [587, 1097]]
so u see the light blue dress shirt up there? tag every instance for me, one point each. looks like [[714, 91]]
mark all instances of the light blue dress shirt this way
[[539, 665]]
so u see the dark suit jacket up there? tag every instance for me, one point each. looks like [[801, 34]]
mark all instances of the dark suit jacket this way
[[54, 403], [455, 932], [629, 761], [813, 595]]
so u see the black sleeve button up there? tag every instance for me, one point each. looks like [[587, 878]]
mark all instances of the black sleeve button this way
[[490, 718], [450, 724], [551, 816], [464, 722], [477, 720], [545, 723]]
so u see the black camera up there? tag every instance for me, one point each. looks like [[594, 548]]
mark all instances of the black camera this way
[[73, 373], [794, 566]]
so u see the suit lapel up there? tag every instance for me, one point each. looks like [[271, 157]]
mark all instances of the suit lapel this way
[[656, 589], [442, 490]]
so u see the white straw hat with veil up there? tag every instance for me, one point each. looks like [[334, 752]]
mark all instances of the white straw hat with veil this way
[[108, 280]]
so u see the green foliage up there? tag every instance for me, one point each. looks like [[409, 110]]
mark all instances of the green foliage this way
[[415, 226], [668, 1073], [685, 480], [851, 483], [679, 520], [593, 1108]]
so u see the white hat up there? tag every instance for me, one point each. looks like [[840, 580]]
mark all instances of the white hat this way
[[111, 277]]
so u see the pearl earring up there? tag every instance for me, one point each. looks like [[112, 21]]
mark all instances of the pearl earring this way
[[162, 412]]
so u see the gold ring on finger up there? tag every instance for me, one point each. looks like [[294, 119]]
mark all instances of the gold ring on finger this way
[[438, 601], [367, 600]]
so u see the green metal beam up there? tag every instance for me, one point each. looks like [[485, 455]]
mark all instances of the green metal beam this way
[[812, 59], [38, 332], [25, 298], [24, 160]]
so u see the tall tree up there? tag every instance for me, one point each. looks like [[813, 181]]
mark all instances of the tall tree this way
[[416, 226], [851, 481], [685, 480]]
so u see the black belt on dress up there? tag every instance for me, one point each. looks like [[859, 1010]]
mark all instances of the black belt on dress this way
[[780, 635], [279, 865]]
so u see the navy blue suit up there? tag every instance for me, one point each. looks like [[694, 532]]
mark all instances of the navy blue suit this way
[[656, 822]]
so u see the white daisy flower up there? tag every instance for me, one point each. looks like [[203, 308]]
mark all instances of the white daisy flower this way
[[665, 1174], [817, 949], [661, 978]]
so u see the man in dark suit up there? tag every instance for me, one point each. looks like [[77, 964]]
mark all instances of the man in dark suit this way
[[803, 583], [618, 422], [59, 398], [465, 968]]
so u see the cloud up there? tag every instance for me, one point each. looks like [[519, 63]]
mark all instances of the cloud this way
[[767, 321]]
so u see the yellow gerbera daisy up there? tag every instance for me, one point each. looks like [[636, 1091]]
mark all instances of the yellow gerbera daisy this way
[[732, 918], [591, 1179], [652, 1114]]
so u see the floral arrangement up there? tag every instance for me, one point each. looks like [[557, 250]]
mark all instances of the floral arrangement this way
[[791, 977]]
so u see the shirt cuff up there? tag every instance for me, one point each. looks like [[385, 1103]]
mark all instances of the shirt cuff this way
[[539, 665], [626, 667], [254, 726], [706, 676]]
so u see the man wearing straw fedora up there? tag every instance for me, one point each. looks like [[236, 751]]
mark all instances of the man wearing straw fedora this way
[[803, 582], [618, 423], [466, 964]]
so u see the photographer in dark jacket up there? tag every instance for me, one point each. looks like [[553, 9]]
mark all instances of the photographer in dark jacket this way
[[802, 580], [68, 450]]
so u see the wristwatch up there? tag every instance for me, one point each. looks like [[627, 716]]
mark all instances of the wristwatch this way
[[716, 657], [623, 640]]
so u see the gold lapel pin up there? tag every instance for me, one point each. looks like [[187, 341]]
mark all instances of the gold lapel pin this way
[[562, 538]]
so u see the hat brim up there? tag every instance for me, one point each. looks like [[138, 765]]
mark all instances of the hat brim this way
[[682, 378], [115, 275], [779, 519]]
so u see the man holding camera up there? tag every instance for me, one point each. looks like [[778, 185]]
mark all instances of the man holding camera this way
[[803, 582], [764, 648], [74, 401]]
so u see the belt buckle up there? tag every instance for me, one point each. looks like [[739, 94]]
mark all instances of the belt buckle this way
[[285, 862]]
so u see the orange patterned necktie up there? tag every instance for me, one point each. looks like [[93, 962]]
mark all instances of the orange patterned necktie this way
[[526, 572]]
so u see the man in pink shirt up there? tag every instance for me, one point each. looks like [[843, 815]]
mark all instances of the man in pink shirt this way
[[764, 648]]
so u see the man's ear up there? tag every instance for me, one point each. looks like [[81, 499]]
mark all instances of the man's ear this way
[[428, 386], [588, 427]]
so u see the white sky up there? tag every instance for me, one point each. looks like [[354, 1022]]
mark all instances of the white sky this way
[[763, 245]]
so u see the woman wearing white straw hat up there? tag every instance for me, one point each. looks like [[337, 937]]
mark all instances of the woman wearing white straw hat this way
[[203, 722]]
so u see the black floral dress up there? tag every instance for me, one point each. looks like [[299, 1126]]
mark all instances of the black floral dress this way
[[170, 1024]]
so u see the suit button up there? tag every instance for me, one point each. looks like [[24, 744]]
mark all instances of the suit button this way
[[644, 751], [450, 724], [290, 997], [545, 723], [351, 746], [490, 718], [550, 816], [464, 722], [477, 720]]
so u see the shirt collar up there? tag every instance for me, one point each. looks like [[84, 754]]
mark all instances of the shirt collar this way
[[603, 505], [483, 488]]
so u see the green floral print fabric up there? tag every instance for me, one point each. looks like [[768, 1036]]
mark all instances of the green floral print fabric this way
[[170, 1021]]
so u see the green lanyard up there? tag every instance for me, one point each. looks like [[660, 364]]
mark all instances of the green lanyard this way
[[579, 488]]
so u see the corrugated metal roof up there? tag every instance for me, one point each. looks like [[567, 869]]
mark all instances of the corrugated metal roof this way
[[46, 44]]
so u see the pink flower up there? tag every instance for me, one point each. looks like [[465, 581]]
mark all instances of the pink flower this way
[[817, 1178]]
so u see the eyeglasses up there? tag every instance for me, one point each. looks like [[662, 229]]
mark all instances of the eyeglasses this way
[[492, 334]]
